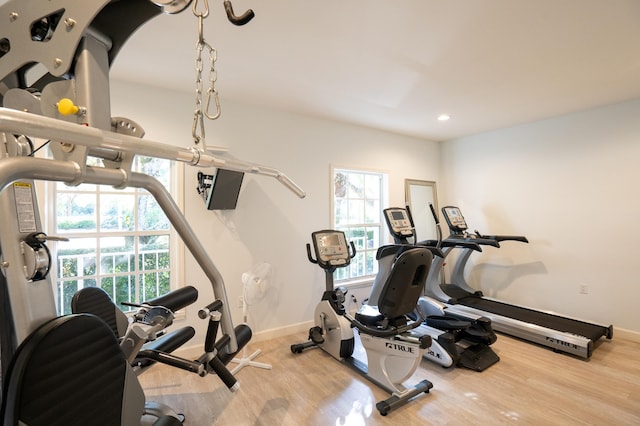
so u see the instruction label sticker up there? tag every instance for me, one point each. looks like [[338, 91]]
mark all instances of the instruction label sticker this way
[[24, 207]]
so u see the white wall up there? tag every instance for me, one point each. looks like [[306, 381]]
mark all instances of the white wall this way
[[570, 185], [270, 223]]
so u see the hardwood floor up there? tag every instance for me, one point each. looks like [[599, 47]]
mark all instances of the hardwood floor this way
[[531, 385]]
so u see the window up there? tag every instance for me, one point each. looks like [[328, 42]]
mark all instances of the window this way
[[358, 197], [119, 240]]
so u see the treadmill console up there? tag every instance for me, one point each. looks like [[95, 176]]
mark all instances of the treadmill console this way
[[454, 219], [398, 222], [331, 248]]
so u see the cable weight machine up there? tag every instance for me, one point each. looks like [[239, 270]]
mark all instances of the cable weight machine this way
[[69, 106]]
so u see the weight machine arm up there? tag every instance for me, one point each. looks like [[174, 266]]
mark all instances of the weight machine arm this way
[[22, 123]]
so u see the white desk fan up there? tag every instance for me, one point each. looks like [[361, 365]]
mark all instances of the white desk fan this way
[[255, 287]]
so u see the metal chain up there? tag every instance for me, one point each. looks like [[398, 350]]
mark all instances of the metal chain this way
[[197, 129]]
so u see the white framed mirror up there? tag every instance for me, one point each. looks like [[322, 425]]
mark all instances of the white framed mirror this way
[[418, 194]]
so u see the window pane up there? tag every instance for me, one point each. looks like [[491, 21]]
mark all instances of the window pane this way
[[357, 265], [358, 237], [76, 212], [107, 264], [341, 212], [373, 238], [340, 185], [76, 257], [150, 216], [356, 211], [108, 284], [153, 243], [164, 260], [157, 167], [371, 264], [125, 289], [88, 265], [116, 212], [69, 288], [122, 263], [164, 282], [342, 274], [149, 261], [69, 267], [148, 286], [355, 186], [372, 211], [372, 184]]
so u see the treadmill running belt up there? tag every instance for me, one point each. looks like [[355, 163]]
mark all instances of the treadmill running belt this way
[[543, 319]]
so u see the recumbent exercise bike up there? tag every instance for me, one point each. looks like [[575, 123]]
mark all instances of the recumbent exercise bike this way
[[394, 350]]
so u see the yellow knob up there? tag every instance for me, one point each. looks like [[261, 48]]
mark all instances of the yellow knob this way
[[67, 107]]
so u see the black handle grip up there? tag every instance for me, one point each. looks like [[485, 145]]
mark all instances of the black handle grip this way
[[235, 19], [176, 299], [225, 375], [309, 256], [410, 216], [211, 307], [500, 238], [433, 212]]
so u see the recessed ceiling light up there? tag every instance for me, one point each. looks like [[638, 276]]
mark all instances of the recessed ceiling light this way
[[443, 117]]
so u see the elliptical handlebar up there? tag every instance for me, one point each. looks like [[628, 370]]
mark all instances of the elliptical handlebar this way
[[435, 214], [438, 228]]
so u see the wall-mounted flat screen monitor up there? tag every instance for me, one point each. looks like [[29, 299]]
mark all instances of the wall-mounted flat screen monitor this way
[[224, 191]]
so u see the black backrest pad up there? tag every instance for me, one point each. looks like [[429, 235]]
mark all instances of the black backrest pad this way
[[405, 283], [70, 371], [96, 301]]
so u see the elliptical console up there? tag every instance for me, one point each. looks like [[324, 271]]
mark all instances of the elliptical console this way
[[454, 219]]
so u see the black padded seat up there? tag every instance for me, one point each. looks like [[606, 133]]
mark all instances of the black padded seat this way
[[369, 315], [68, 372]]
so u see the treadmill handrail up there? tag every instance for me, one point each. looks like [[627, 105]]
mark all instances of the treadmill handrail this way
[[500, 238], [473, 239]]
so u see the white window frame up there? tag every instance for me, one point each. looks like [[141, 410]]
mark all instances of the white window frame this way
[[383, 232], [176, 246]]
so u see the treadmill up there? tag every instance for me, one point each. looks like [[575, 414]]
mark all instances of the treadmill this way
[[560, 333]]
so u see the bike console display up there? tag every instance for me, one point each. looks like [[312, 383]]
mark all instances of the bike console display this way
[[331, 248], [454, 219]]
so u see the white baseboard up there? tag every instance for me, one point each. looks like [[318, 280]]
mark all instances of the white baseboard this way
[[302, 327], [282, 331]]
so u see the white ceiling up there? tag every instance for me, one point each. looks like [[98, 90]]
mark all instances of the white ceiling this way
[[397, 65]]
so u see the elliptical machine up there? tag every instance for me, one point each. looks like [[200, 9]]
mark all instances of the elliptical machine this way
[[394, 349], [459, 340]]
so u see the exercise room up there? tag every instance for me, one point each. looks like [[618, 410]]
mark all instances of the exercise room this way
[[319, 213]]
